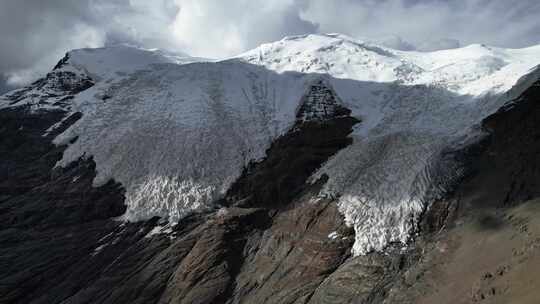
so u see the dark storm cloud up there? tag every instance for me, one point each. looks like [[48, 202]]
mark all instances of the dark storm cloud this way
[[4, 87], [36, 33], [28, 28]]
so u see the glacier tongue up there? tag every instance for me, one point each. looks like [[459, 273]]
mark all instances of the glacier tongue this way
[[176, 132], [396, 164], [176, 136]]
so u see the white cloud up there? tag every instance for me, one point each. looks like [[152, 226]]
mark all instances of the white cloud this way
[[142, 22], [430, 23], [36, 33], [79, 36], [223, 28], [438, 44]]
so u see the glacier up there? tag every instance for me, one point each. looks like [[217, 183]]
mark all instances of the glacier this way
[[414, 107], [177, 131]]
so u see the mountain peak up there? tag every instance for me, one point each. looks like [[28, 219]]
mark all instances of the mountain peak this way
[[110, 61], [202, 123]]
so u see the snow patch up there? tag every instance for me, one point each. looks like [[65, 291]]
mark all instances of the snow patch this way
[[333, 235], [161, 229]]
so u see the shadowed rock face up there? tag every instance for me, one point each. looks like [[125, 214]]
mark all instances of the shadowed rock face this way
[[33, 194], [272, 241], [510, 167]]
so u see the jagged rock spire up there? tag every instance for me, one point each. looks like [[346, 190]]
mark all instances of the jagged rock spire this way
[[320, 103]]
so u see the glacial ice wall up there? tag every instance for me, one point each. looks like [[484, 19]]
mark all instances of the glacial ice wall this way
[[177, 136], [387, 176], [403, 161]]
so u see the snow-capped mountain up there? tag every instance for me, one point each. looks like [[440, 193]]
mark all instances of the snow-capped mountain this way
[[176, 132]]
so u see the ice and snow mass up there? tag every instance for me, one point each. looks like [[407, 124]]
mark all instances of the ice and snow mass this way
[[176, 131]]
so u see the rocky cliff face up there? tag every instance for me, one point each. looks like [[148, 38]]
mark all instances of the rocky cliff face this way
[[275, 236]]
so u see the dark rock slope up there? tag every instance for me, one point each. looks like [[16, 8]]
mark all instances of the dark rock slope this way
[[266, 242]]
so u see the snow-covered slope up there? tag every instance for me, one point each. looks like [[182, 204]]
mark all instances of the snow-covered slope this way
[[475, 69], [176, 132]]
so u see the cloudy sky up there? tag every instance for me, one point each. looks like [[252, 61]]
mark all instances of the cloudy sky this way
[[36, 33]]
